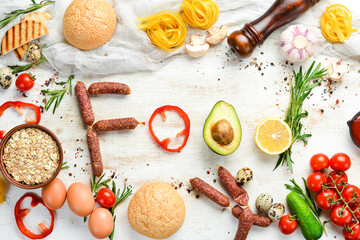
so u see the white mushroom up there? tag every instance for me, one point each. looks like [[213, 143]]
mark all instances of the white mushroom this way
[[216, 35], [196, 47], [337, 69]]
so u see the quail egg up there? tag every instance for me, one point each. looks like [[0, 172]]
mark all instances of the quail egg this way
[[276, 211], [244, 176], [5, 77], [33, 53], [264, 202]]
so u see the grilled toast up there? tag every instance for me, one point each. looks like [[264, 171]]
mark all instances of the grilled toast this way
[[22, 33], [36, 16]]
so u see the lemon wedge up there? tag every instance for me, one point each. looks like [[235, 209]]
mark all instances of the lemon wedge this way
[[273, 136]]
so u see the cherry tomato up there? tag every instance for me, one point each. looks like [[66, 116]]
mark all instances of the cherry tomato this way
[[324, 199], [349, 192], [356, 209], [340, 161], [315, 181], [355, 234], [340, 215], [106, 198], [287, 225], [25, 82], [319, 161], [339, 177]]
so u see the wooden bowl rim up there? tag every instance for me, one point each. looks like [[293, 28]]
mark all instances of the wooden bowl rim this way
[[2, 146]]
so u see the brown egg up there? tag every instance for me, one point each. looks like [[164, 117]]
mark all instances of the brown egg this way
[[54, 194], [101, 223], [80, 199]]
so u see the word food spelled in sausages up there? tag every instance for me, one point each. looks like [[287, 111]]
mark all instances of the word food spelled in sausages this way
[[116, 124], [210, 192], [239, 195], [95, 154], [84, 103], [108, 88]]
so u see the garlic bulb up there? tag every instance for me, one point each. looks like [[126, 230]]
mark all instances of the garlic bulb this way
[[297, 43]]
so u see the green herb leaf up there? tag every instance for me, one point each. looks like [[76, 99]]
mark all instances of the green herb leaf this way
[[299, 91], [64, 166], [58, 95], [14, 14]]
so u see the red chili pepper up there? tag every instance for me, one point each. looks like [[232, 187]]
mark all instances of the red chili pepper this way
[[165, 142], [20, 214], [17, 105]]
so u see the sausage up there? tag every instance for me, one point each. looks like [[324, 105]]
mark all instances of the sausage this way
[[239, 195], [84, 103], [115, 124], [108, 88], [245, 224], [260, 221], [210, 192], [95, 154]]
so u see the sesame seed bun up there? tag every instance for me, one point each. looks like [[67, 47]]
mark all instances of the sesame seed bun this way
[[89, 24], [156, 210]]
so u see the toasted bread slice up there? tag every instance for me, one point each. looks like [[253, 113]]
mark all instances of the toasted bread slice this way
[[22, 33], [36, 16]]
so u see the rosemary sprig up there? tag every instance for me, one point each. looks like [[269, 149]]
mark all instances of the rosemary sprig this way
[[119, 198], [14, 14], [21, 68], [57, 95], [299, 91], [125, 193], [308, 199], [64, 166]]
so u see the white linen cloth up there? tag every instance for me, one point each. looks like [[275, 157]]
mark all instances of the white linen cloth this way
[[130, 50]]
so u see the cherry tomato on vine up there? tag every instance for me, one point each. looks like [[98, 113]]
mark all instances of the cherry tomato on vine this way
[[340, 161], [340, 215], [355, 234], [25, 82], [349, 192], [339, 177], [319, 161], [106, 198], [315, 181], [356, 209], [287, 225], [325, 198]]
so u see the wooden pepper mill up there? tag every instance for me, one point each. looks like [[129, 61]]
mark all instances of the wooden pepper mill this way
[[242, 42]]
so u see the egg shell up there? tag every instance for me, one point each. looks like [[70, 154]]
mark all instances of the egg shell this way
[[101, 223], [54, 194], [80, 199]]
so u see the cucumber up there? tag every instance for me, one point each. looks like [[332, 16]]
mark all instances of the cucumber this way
[[310, 227]]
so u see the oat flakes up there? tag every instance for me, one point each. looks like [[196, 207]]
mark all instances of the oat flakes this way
[[31, 156]]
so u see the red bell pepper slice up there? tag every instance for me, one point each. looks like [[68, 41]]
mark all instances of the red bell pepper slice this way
[[165, 142], [18, 105], [20, 214]]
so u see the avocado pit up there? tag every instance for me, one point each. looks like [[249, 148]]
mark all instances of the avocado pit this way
[[222, 132]]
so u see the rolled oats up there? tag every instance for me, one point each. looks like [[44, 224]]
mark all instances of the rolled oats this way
[[31, 156]]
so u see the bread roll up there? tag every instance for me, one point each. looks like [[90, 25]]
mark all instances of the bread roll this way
[[89, 24], [156, 210]]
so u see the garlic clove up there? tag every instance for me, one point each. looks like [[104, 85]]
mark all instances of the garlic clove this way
[[337, 69]]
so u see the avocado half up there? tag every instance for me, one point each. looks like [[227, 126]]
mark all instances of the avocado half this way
[[222, 129]]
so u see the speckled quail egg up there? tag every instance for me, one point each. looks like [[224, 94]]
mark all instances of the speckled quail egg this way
[[264, 202], [33, 53], [244, 176], [5, 77], [276, 211]]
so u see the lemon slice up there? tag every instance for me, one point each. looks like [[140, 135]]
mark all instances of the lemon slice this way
[[273, 136]]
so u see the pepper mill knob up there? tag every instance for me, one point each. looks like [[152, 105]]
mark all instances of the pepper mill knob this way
[[242, 42]]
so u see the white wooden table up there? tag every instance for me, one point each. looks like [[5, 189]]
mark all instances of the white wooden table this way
[[195, 85]]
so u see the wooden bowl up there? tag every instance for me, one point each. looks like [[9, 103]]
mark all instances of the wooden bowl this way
[[2, 165]]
